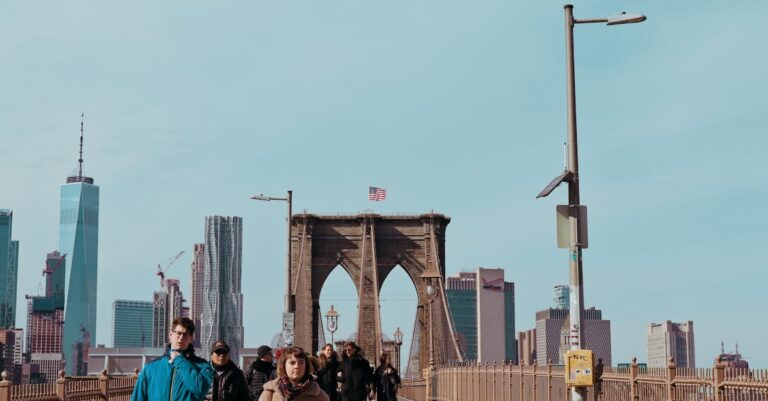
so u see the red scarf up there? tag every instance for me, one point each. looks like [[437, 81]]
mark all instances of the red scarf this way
[[291, 391]]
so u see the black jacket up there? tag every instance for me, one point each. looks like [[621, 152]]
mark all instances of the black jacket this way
[[229, 384], [386, 382], [356, 378], [256, 375], [326, 378]]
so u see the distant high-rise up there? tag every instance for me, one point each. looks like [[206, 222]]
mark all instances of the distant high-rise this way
[[671, 340], [79, 240], [131, 323], [562, 296], [196, 308], [552, 327], [483, 311], [9, 266], [45, 314], [526, 347], [166, 306], [222, 317]]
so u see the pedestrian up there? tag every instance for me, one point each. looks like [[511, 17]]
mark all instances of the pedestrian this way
[[386, 380], [260, 371], [294, 380], [179, 375], [228, 380], [355, 375], [328, 362], [598, 377]]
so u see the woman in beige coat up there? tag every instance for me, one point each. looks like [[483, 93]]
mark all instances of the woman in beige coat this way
[[294, 379]]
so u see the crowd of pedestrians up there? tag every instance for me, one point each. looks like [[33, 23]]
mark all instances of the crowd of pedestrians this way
[[290, 375]]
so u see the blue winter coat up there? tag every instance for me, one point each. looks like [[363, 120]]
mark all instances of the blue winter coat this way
[[187, 378]]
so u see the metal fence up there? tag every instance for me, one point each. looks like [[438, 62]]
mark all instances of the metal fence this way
[[505, 382], [90, 388]]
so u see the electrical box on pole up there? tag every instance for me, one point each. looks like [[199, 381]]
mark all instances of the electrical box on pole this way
[[564, 212], [579, 368]]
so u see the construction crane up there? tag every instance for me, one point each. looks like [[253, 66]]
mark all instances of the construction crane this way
[[161, 271]]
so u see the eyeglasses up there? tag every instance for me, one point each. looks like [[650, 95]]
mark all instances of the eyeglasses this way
[[180, 333], [220, 352]]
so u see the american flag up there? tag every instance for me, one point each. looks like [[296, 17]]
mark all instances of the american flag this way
[[377, 194]]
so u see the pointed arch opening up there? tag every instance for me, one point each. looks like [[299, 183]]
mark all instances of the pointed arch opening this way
[[398, 302], [338, 290]]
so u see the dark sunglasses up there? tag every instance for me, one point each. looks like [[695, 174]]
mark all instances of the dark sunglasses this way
[[220, 352]]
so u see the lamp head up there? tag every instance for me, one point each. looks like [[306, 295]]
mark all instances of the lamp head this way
[[625, 18]]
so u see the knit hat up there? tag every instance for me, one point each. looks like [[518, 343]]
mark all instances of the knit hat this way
[[263, 350]]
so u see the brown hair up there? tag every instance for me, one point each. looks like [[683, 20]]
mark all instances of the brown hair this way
[[297, 353], [323, 360], [384, 359], [184, 322]]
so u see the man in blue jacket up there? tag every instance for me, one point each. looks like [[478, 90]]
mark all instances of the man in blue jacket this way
[[179, 375]]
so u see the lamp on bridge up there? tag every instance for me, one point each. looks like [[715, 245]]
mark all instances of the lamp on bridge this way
[[398, 342], [429, 278], [332, 322]]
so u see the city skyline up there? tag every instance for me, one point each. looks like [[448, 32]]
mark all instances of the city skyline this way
[[190, 110]]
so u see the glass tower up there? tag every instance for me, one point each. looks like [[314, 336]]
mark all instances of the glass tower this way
[[132, 323], [222, 317], [9, 266], [79, 240]]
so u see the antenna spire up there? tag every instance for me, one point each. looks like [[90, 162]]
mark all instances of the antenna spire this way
[[80, 160]]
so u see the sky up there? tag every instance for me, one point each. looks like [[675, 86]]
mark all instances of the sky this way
[[453, 106]]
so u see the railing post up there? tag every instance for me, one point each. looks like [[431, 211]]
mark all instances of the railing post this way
[[549, 380], [428, 383], [671, 374], [5, 388], [718, 373], [633, 380], [61, 386], [104, 384], [522, 383], [535, 368]]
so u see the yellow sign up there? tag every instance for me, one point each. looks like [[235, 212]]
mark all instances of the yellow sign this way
[[579, 368]]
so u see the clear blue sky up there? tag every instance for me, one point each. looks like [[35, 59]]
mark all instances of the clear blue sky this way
[[456, 106]]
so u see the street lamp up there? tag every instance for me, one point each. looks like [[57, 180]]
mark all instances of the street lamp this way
[[571, 176], [428, 278], [289, 300], [398, 342], [332, 322]]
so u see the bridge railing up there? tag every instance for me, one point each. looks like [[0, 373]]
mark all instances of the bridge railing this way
[[88, 388], [506, 382]]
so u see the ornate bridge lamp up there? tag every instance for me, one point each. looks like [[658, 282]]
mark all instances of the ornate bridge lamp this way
[[398, 343], [332, 323], [429, 278]]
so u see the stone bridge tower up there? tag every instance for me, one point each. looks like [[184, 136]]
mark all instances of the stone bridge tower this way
[[368, 247]]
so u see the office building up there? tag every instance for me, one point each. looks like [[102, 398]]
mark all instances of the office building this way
[[671, 340], [482, 305], [196, 308], [552, 335], [526, 347], [79, 240], [167, 305], [45, 314], [562, 296], [131, 323], [9, 266], [222, 317], [11, 353], [49, 365], [121, 361]]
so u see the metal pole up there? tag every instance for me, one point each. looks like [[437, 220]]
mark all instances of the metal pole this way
[[575, 266], [431, 339], [289, 306]]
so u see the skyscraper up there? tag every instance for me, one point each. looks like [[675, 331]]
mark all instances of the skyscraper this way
[[223, 301], [131, 323], [166, 306], [671, 340], [196, 308], [45, 319], [79, 240], [483, 308], [9, 266]]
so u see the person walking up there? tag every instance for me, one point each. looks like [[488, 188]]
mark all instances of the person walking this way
[[228, 380], [260, 371], [179, 375], [386, 380], [355, 375], [294, 380], [326, 374]]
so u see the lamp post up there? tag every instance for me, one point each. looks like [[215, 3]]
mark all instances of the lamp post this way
[[431, 293], [571, 175], [289, 299], [332, 322], [398, 342]]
